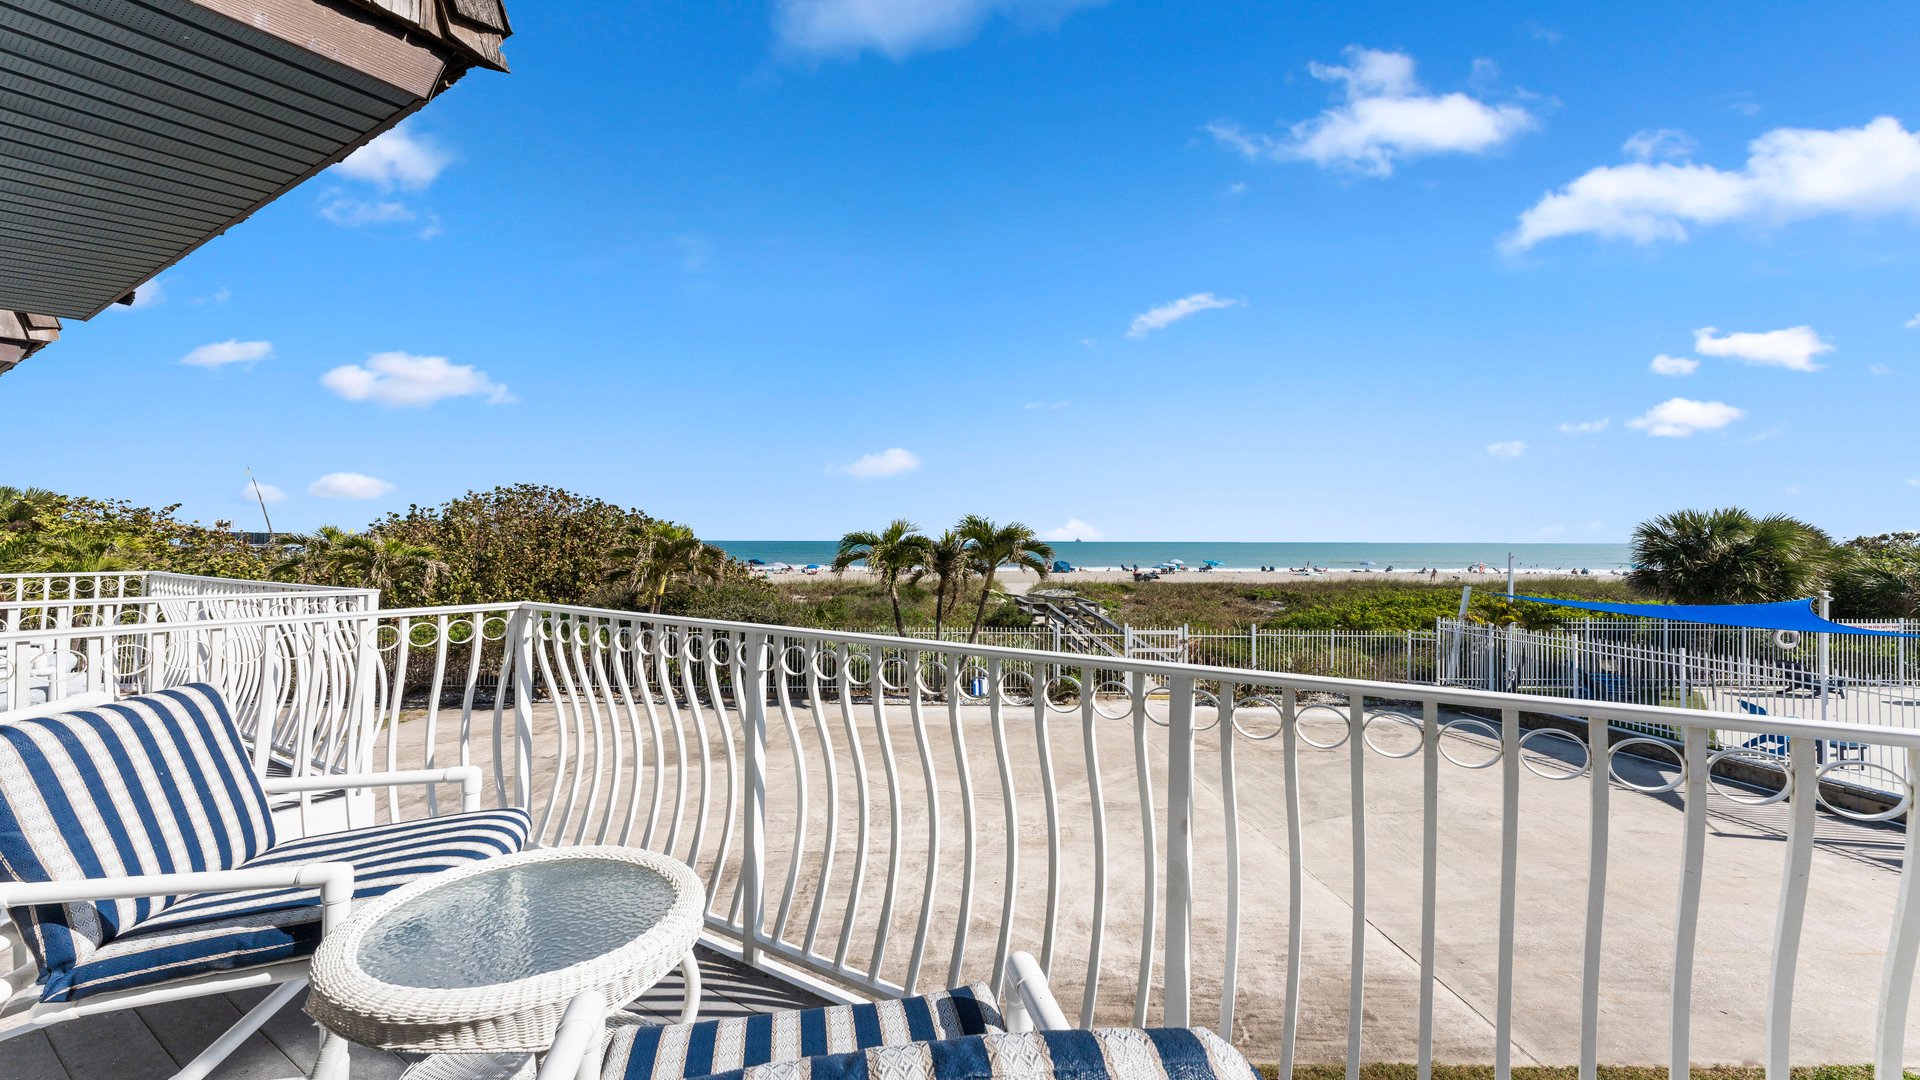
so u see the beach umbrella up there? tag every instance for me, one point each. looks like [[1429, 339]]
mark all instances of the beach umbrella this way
[[813, 566], [1212, 562], [1366, 562]]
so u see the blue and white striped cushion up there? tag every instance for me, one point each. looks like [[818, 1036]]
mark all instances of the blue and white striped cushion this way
[[681, 1050], [222, 931], [1101, 1054], [150, 785]]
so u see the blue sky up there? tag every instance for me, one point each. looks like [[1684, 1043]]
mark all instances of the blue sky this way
[[1123, 271]]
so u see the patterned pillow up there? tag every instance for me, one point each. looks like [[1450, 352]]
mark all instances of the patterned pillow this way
[[150, 785], [1101, 1054]]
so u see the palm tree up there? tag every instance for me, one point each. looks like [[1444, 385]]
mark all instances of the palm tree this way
[[991, 546], [389, 563], [85, 555], [332, 555], [1729, 557], [19, 507], [310, 557], [897, 551], [946, 560], [655, 553], [20, 510]]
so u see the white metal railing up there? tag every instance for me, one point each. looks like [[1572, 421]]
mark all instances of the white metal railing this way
[[890, 813], [49, 668]]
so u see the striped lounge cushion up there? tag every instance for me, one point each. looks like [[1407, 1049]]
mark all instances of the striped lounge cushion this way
[[150, 785], [222, 931], [709, 1046], [1102, 1054]]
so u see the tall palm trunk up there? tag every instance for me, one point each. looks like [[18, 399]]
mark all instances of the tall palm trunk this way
[[980, 611], [893, 595], [940, 611]]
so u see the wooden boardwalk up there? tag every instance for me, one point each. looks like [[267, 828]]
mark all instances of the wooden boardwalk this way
[[150, 1043]]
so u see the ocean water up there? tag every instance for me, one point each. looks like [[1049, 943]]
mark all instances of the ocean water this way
[[1096, 554]]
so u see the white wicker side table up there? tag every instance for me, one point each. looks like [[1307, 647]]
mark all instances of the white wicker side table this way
[[482, 960]]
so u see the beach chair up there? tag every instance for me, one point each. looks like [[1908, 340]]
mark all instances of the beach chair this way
[[953, 1035], [139, 864]]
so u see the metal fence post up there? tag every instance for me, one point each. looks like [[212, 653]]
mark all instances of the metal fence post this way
[[1179, 968], [758, 662]]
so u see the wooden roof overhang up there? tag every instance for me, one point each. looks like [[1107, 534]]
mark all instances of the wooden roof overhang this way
[[133, 131]]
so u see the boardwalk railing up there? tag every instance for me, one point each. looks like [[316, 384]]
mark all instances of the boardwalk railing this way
[[887, 814]]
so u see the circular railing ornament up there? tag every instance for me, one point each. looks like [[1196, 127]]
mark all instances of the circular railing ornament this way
[[1546, 733], [1064, 689], [1760, 759], [1471, 723], [1398, 719], [1679, 761], [1252, 708], [1895, 782], [1307, 712]]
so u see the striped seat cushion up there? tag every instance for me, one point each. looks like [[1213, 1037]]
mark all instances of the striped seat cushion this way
[[681, 1050], [150, 785], [1102, 1054], [222, 931]]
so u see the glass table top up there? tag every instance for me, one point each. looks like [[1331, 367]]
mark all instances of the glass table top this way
[[514, 923]]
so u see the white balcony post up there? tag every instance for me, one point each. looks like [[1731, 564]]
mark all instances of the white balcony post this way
[[520, 653], [366, 710], [759, 660], [266, 709], [1179, 969]]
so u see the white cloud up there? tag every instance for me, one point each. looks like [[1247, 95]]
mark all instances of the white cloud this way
[[1167, 314], [354, 213], [1074, 529], [1674, 365], [1795, 347], [1650, 143], [403, 379], [1790, 173], [1585, 427], [1879, 369], [889, 462], [397, 160], [1913, 323], [1913, 481], [1512, 448], [1384, 115], [266, 493], [348, 485], [221, 353], [218, 296], [898, 30], [1677, 418]]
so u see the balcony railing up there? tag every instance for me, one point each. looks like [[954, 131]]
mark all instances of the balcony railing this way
[[1319, 867]]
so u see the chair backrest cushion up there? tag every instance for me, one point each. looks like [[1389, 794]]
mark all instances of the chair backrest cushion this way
[[155, 784], [1100, 1054]]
